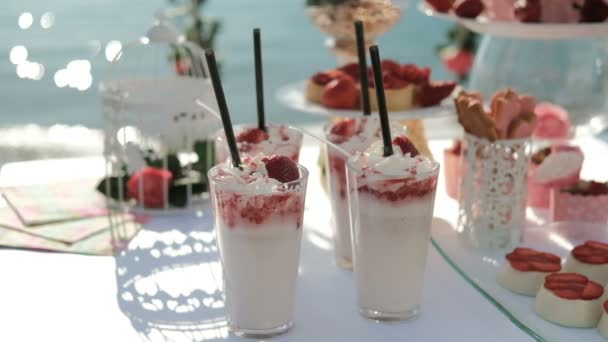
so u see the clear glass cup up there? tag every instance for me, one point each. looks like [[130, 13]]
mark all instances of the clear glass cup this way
[[391, 224], [259, 234], [283, 141]]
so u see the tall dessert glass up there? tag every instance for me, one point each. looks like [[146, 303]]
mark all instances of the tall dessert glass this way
[[279, 140], [258, 222], [360, 133], [391, 202]]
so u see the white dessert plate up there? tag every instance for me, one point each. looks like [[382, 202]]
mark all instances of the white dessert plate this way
[[511, 29], [293, 96], [480, 268]]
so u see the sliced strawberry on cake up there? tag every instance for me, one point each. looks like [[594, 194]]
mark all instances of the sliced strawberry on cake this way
[[591, 260], [316, 84], [570, 299], [525, 270]]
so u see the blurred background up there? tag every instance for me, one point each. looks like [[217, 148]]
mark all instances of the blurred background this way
[[55, 52]]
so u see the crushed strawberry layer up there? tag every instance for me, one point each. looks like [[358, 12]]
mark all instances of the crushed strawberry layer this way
[[528, 259], [592, 252], [405, 188], [252, 136], [337, 164], [343, 130], [573, 286], [236, 209]]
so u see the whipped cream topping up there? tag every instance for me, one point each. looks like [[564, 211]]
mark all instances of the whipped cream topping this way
[[372, 161], [253, 177], [368, 131]]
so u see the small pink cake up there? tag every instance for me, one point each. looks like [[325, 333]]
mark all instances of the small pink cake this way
[[557, 166], [586, 201], [553, 122], [452, 169]]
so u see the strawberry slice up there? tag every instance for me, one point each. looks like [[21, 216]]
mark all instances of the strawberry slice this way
[[392, 80], [391, 66], [592, 291], [344, 130], [566, 278], [527, 259], [413, 74], [591, 252], [324, 77], [432, 93], [441, 5], [520, 265], [406, 145], [252, 136], [566, 293], [351, 69], [281, 168], [543, 266]]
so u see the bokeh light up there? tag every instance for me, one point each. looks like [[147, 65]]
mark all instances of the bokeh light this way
[[47, 20], [26, 19], [113, 50], [18, 54]]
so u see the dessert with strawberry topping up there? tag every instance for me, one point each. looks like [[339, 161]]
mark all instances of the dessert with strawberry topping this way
[[392, 200], [277, 139], [591, 260], [553, 122], [258, 211], [602, 326], [525, 270], [585, 201], [406, 86], [351, 135], [569, 299], [150, 187], [555, 166]]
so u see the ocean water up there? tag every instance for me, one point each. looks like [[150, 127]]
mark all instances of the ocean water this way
[[61, 31]]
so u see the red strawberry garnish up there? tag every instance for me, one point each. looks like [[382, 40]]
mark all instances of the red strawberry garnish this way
[[391, 66], [528, 11], [406, 145], [281, 168], [392, 80], [468, 8], [573, 286], [592, 252], [340, 93], [432, 93], [155, 186], [252, 136], [344, 130], [351, 69], [441, 5], [413, 74], [528, 259], [322, 78]]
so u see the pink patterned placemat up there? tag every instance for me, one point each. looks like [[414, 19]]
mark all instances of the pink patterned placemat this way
[[55, 202]]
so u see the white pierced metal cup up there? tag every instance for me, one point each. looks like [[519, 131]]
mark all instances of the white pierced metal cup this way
[[493, 192]]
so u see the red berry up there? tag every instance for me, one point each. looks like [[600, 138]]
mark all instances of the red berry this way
[[441, 5], [457, 61], [322, 78], [392, 80], [391, 66], [528, 11], [413, 74], [281, 168], [155, 184], [406, 145], [468, 8], [433, 93], [592, 291], [351, 69], [252, 136], [344, 128], [340, 94]]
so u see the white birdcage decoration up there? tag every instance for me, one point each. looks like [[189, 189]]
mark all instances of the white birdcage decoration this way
[[158, 143]]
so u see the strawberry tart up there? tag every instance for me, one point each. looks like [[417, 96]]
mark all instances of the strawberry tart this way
[[602, 326], [406, 86], [552, 167], [525, 270], [585, 201], [569, 299], [591, 260]]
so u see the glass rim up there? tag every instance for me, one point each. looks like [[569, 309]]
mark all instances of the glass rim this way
[[304, 173], [350, 166]]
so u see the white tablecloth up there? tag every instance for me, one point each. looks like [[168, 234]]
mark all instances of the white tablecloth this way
[[61, 297]]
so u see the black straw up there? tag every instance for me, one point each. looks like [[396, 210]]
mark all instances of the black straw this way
[[221, 103], [362, 68], [259, 81], [386, 129]]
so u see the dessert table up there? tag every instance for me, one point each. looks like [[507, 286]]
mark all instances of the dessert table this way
[[69, 297]]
